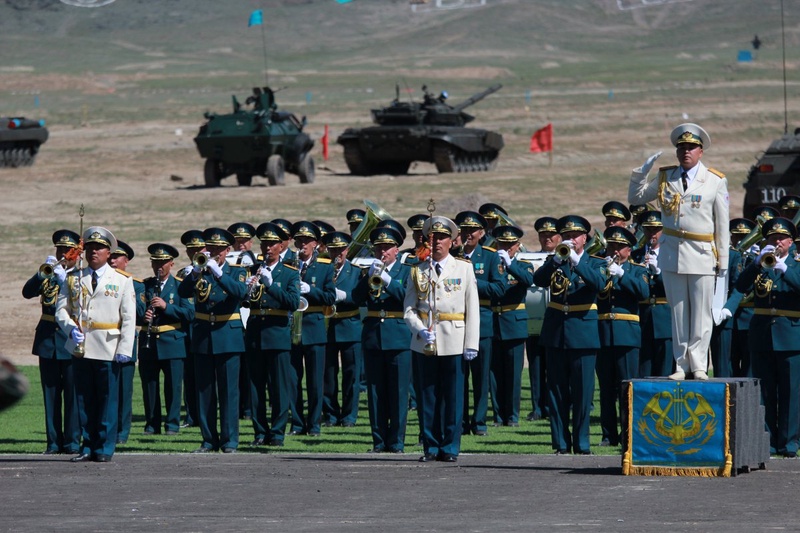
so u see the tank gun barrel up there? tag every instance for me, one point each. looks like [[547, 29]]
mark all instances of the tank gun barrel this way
[[477, 97]]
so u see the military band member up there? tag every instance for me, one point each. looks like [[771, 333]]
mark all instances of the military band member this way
[[385, 340], [274, 294], [419, 242], [549, 238], [655, 356], [242, 255], [492, 213], [789, 205], [694, 204], [324, 229], [194, 244], [570, 334], [491, 286], [120, 257], [354, 218], [97, 309], [56, 367], [620, 333], [316, 286], [442, 310], [740, 321], [344, 338], [217, 338], [510, 326], [774, 344], [616, 214], [165, 319]]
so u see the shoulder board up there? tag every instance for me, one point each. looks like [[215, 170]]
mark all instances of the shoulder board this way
[[668, 167], [260, 258], [463, 259], [240, 266], [148, 280], [524, 261], [489, 248], [716, 172], [138, 280], [637, 264], [123, 273], [324, 260], [287, 265]]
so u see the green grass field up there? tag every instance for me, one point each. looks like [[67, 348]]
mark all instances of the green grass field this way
[[23, 431]]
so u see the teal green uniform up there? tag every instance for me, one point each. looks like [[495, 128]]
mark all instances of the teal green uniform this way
[[217, 341], [620, 339], [571, 337], [509, 336], [386, 341], [127, 372], [344, 339], [655, 321], [63, 431], [775, 347], [166, 337], [268, 351], [309, 355]]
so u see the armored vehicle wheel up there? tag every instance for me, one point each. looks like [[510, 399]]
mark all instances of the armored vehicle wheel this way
[[212, 173], [275, 170], [306, 169], [355, 163], [444, 160], [244, 180]]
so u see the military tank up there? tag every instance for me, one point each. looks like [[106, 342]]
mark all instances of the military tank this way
[[20, 139], [432, 131], [775, 174], [255, 140]]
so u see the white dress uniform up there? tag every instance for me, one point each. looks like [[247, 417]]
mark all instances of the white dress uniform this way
[[695, 242]]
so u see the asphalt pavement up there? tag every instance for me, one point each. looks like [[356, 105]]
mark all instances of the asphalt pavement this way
[[361, 492]]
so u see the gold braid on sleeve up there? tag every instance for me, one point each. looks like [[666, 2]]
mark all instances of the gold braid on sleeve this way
[[671, 207]]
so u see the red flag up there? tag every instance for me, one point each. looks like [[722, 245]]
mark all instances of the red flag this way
[[542, 140], [325, 144]]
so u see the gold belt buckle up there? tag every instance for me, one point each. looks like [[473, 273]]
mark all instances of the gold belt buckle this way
[[212, 318], [773, 311], [612, 316], [382, 313], [436, 316], [566, 308], [652, 300]]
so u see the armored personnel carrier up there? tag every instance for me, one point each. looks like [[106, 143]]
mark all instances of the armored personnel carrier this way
[[255, 140], [431, 131], [775, 174], [20, 139]]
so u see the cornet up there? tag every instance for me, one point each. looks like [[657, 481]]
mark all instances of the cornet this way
[[563, 252]]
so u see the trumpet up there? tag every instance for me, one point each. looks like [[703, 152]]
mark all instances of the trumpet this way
[[769, 260], [47, 270], [200, 260], [563, 252], [376, 282]]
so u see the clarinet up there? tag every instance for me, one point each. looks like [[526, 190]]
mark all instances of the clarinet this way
[[156, 294]]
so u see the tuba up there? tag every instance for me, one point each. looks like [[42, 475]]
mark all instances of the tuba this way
[[754, 237], [360, 236], [595, 244], [505, 220]]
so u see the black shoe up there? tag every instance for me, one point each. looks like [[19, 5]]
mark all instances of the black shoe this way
[[186, 425], [295, 432], [480, 432], [512, 424], [427, 458], [50, 452], [277, 443], [790, 455], [258, 442], [586, 452], [228, 450], [497, 424], [376, 449], [328, 424], [561, 452], [447, 458], [100, 458], [395, 451], [122, 441], [203, 449], [533, 417], [348, 425], [170, 432], [81, 458], [313, 433], [605, 442]]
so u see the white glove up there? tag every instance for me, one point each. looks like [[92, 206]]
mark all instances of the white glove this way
[[574, 258], [305, 288], [569, 243], [340, 295], [428, 336], [723, 272], [120, 358], [469, 355], [215, 268], [76, 335], [780, 266], [648, 165], [266, 276], [725, 314], [616, 270], [51, 260], [60, 273], [188, 270], [504, 257], [652, 264], [768, 249], [753, 250], [386, 278], [374, 266]]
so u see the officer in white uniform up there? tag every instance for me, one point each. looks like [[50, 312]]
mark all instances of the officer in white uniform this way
[[694, 249]]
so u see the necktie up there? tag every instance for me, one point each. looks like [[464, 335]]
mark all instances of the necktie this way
[[438, 269], [94, 281], [684, 179]]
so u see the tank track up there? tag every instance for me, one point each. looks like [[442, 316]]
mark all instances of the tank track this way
[[448, 159], [17, 157]]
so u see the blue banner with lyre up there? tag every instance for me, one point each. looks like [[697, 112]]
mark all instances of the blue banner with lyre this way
[[678, 424]]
